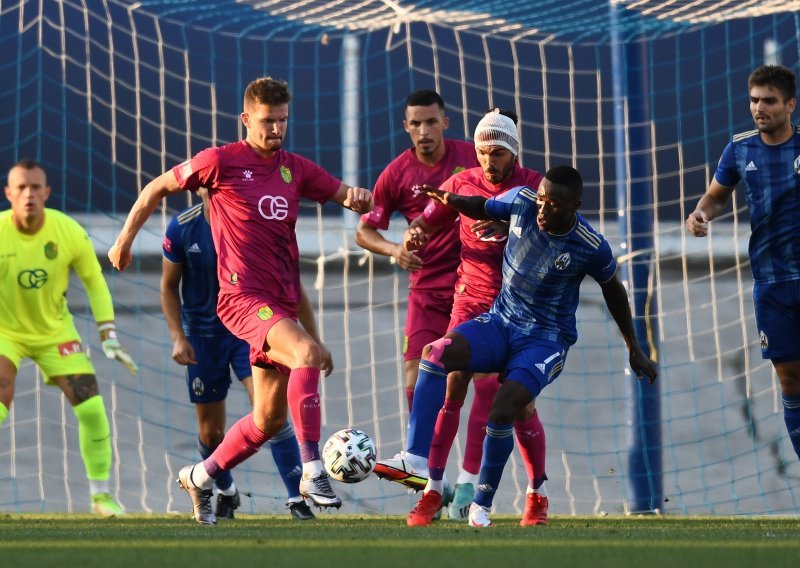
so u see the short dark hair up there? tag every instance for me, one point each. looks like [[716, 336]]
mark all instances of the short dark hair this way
[[505, 112], [26, 164], [424, 97], [267, 91], [566, 176], [776, 76]]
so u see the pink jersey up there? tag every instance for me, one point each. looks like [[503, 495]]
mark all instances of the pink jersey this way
[[254, 204], [394, 192], [480, 271]]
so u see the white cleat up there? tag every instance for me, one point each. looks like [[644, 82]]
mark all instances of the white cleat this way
[[399, 469], [201, 498], [479, 516]]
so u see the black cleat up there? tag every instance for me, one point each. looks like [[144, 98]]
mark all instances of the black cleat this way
[[226, 504], [300, 510]]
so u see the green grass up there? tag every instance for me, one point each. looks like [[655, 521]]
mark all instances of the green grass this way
[[335, 541]]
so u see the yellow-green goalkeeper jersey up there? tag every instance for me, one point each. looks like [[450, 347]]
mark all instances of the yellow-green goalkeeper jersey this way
[[34, 276]]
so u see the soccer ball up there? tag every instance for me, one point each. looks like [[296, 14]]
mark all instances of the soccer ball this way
[[349, 455]]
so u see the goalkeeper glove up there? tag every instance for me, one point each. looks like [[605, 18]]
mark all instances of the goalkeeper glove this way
[[112, 348]]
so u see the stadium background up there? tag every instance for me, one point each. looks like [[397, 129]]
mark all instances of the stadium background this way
[[108, 94]]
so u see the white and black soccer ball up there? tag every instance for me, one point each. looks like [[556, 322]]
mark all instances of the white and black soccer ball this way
[[349, 455]]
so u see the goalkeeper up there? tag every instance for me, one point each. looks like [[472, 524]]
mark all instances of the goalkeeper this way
[[37, 248]]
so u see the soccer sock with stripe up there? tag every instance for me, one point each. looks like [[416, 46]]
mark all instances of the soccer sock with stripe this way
[[791, 416], [496, 449], [428, 400], [225, 479], [485, 389], [286, 453], [532, 446], [94, 435], [304, 406], [444, 433]]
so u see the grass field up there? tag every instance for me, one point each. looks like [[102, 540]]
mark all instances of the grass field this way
[[339, 541]]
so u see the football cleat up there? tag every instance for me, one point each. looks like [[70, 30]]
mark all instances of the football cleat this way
[[226, 504], [105, 505], [300, 510], [458, 510], [319, 490], [424, 512], [201, 498], [535, 510], [479, 516], [399, 469]]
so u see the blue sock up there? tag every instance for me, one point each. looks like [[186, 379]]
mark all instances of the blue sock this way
[[428, 401], [791, 416], [286, 453], [224, 480], [497, 448]]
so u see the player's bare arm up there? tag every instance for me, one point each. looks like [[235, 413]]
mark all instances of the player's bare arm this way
[[616, 298], [171, 274], [471, 206], [709, 207], [305, 313], [369, 238], [120, 252], [356, 199]]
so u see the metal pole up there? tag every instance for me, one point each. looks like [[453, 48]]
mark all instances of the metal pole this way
[[636, 215]]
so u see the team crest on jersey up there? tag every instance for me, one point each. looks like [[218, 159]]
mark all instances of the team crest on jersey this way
[[264, 313], [198, 388], [458, 169], [797, 165], [234, 279], [764, 341], [286, 174], [51, 250], [562, 261]]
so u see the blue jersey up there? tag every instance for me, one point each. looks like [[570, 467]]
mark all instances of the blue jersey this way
[[542, 273], [188, 242], [771, 176]]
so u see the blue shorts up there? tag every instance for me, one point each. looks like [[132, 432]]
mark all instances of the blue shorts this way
[[778, 320], [210, 378], [494, 346]]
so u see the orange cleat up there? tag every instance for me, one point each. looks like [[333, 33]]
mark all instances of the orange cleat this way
[[535, 510], [422, 515]]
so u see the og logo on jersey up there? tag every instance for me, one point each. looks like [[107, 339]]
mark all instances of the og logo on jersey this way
[[562, 261]]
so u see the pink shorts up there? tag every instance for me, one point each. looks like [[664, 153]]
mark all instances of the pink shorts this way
[[426, 320], [467, 306], [250, 316]]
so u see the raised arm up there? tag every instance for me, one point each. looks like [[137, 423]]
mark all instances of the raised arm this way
[[120, 253], [471, 206], [616, 298], [709, 207], [357, 199], [171, 274]]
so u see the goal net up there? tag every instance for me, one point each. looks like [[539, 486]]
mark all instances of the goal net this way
[[108, 94]]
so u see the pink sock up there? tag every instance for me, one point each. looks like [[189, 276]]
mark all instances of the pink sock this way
[[532, 446], [304, 403], [485, 389], [240, 442], [409, 397], [444, 433]]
